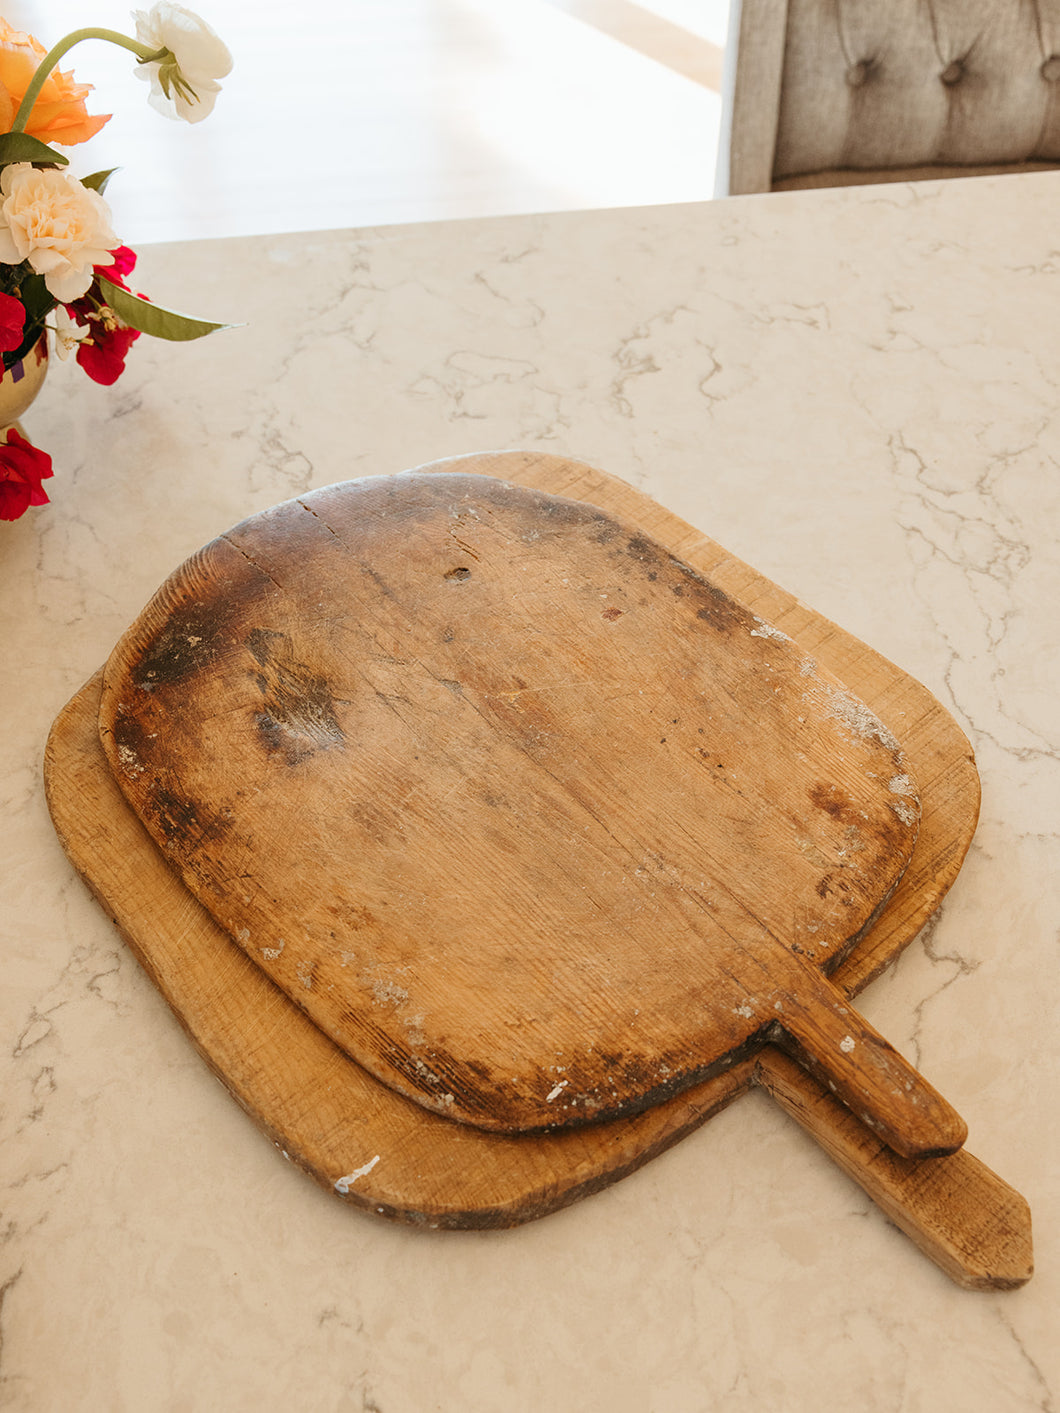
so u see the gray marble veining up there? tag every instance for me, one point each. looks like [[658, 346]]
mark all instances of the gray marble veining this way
[[857, 391]]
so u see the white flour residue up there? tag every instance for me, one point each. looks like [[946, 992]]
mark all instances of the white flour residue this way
[[425, 1072], [130, 761], [855, 715], [414, 1029], [343, 1184], [847, 1044], [387, 993], [557, 1091], [906, 813], [271, 953], [766, 630], [901, 785]]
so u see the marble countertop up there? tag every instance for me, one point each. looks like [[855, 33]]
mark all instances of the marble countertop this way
[[856, 391]]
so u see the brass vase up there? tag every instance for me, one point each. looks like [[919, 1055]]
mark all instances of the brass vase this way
[[20, 384]]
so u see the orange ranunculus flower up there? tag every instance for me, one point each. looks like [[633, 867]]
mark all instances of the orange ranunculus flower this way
[[59, 113]]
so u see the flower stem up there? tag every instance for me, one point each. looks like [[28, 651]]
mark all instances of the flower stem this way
[[142, 51]]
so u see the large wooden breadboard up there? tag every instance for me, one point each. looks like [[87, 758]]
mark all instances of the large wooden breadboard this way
[[362, 1140]]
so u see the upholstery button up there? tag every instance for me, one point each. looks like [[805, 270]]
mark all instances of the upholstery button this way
[[858, 73], [1050, 70], [952, 73]]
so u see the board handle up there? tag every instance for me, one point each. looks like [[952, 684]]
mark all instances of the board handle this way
[[815, 1024], [970, 1222]]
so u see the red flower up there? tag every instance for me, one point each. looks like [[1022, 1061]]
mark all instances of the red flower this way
[[12, 323], [22, 469], [124, 262], [102, 354]]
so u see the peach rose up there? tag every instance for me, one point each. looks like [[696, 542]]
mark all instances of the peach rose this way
[[59, 113], [59, 225]]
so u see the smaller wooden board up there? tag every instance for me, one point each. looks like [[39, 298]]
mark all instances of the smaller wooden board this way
[[536, 823]]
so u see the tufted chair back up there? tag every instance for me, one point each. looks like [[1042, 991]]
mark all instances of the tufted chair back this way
[[837, 92]]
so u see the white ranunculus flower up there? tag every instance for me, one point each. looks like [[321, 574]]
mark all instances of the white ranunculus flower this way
[[60, 226], [188, 87]]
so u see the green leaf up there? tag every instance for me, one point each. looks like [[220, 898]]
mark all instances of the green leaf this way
[[20, 147], [37, 301], [152, 318], [98, 180]]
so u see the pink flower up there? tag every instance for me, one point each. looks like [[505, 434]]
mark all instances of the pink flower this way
[[22, 469], [12, 323]]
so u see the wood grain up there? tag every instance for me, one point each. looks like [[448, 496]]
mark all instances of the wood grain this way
[[535, 822], [971, 1223], [384, 1154]]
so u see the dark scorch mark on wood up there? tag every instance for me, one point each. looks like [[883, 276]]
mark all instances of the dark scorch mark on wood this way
[[835, 802], [188, 642], [297, 715]]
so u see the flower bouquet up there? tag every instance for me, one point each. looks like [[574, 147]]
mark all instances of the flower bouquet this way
[[63, 270]]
